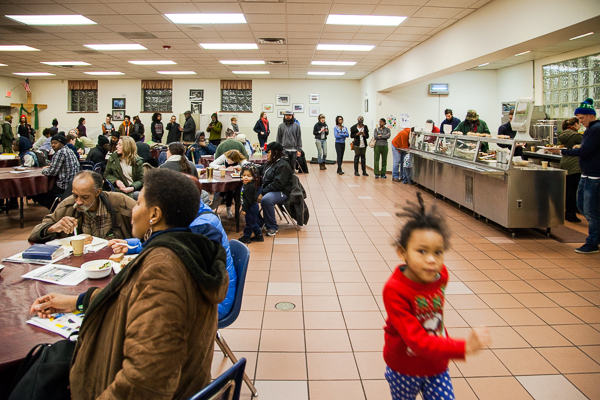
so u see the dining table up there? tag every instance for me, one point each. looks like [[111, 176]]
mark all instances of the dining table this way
[[22, 184], [10, 162], [16, 297], [256, 159], [224, 184]]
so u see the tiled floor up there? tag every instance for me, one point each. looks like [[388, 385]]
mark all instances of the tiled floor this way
[[539, 299]]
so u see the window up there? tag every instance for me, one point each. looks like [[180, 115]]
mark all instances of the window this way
[[236, 96], [83, 96], [157, 96], [568, 83]]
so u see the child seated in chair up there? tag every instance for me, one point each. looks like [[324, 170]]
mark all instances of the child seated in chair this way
[[250, 210]]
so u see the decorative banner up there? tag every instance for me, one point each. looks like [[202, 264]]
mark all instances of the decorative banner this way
[[391, 122]]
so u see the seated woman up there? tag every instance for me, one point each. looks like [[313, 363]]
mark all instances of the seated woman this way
[[176, 160], [242, 139], [200, 148], [23, 148], [277, 183], [231, 160], [124, 168], [138, 331]]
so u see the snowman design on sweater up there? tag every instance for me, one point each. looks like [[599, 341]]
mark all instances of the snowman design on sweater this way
[[429, 312]]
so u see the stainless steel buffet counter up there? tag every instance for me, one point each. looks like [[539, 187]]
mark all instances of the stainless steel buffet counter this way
[[477, 173]]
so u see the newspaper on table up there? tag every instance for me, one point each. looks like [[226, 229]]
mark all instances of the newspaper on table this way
[[58, 274], [63, 324]]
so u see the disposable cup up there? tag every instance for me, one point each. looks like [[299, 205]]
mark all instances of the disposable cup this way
[[77, 246], [223, 173], [545, 164]]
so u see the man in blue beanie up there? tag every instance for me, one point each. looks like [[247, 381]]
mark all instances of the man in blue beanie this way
[[588, 192]]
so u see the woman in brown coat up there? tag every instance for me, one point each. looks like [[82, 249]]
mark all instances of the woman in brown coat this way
[[149, 334]]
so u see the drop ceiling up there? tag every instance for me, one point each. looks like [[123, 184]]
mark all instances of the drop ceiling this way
[[300, 22]]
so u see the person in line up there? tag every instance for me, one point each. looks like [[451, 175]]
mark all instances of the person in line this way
[[177, 161], [588, 191], [81, 130], [262, 129], [381, 134], [320, 131], [183, 272], [124, 169], [230, 144], [92, 211], [64, 165], [7, 134], [400, 145], [289, 135], [417, 347], [200, 148], [174, 130], [98, 154], [340, 132], [22, 147], [507, 130], [107, 126], [126, 127], [232, 160], [249, 196], [189, 127], [214, 129], [84, 141], [157, 128], [450, 120], [472, 124], [570, 137], [114, 140], [25, 129], [72, 141], [43, 143], [359, 132], [138, 127], [234, 125], [240, 137], [434, 129], [277, 183]]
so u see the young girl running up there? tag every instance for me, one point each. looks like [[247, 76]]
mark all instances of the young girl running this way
[[417, 349]]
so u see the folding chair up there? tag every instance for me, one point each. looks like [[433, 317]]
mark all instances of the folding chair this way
[[86, 165], [288, 218], [241, 257], [226, 387], [98, 168]]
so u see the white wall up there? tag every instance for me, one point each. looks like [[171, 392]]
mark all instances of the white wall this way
[[19, 95], [515, 82]]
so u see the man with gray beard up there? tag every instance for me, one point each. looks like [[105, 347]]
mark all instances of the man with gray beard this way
[[101, 214]]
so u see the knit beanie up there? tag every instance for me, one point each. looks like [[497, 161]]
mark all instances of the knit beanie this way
[[102, 140], [8, 118], [59, 138], [587, 107], [241, 138]]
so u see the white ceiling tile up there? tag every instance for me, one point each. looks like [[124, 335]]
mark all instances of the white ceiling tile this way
[[55, 9], [436, 12], [298, 35], [352, 9], [424, 22], [377, 29], [148, 19], [268, 27], [303, 41], [221, 7], [306, 19], [451, 3], [174, 8], [403, 2], [263, 8], [264, 19], [405, 11], [409, 38], [370, 36], [133, 8], [480, 3], [110, 19], [342, 28], [304, 27], [308, 8], [336, 36], [412, 30], [464, 13]]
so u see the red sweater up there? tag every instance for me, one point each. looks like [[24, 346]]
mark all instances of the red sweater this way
[[416, 341]]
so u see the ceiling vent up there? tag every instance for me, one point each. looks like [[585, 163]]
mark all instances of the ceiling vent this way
[[271, 41], [137, 35], [277, 62]]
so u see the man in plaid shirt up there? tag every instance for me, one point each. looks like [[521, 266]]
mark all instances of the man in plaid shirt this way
[[64, 166]]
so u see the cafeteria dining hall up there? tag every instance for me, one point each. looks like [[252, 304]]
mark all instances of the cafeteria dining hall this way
[[300, 199]]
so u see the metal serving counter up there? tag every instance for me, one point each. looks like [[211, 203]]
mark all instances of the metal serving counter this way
[[477, 173]]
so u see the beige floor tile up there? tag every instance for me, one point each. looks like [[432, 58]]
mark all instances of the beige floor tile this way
[[344, 276], [542, 336], [477, 318], [248, 320], [370, 365], [316, 276], [556, 316], [253, 303], [587, 384], [377, 390], [271, 301], [220, 363], [500, 301], [590, 315], [241, 339], [281, 366], [272, 390], [524, 362], [331, 366], [353, 289], [569, 360], [328, 390], [484, 363], [364, 320], [498, 388], [314, 266], [282, 320], [344, 266], [321, 303], [462, 390], [358, 303], [282, 341], [327, 341], [580, 335], [318, 289], [324, 320], [534, 300], [465, 302], [550, 387], [366, 340], [519, 316]]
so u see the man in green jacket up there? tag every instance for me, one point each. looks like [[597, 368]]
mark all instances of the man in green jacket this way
[[7, 135], [473, 124], [230, 144]]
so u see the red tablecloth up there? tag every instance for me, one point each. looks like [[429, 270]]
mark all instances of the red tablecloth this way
[[262, 159], [218, 184], [206, 160], [23, 184], [10, 163]]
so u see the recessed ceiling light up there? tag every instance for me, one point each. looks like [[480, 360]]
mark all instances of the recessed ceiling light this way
[[242, 62], [202, 18], [109, 47], [176, 72], [338, 63], [373, 20], [17, 48], [525, 52], [345, 47], [580, 36], [481, 65], [251, 72], [3, 65], [155, 62], [104, 73], [33, 73], [325, 73], [229, 46], [52, 19], [65, 63]]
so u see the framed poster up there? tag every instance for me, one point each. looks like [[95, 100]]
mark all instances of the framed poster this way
[[314, 111], [118, 115], [298, 108], [118, 104], [267, 107], [280, 113], [196, 95], [196, 107], [314, 98], [283, 100]]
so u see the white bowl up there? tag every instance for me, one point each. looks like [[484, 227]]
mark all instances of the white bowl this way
[[92, 271]]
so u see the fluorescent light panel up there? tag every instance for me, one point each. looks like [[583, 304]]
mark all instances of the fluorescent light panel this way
[[337, 63], [17, 48], [345, 47], [33, 73], [3, 65], [371, 20], [202, 18], [325, 73], [104, 73], [482, 65], [61, 63], [525, 52], [176, 72], [242, 62], [52, 19], [251, 72], [229, 46], [155, 62], [110, 47], [580, 36]]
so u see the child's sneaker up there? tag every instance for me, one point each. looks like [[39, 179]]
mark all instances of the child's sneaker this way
[[258, 238], [587, 249], [245, 239], [272, 232], [229, 213]]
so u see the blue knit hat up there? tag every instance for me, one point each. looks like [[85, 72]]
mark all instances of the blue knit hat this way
[[587, 107]]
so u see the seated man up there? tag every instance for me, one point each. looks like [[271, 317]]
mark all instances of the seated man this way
[[230, 144], [97, 155], [200, 148], [90, 210], [143, 149]]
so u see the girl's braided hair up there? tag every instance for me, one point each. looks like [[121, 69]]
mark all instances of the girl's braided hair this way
[[421, 218], [253, 169]]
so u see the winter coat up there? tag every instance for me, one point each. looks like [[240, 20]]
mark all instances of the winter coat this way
[[114, 173], [317, 130], [7, 137], [295, 203], [98, 155], [174, 134], [277, 177], [354, 135], [260, 127], [289, 136], [189, 129], [215, 131], [570, 138], [138, 127]]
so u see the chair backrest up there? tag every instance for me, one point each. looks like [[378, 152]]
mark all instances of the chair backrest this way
[[241, 258], [98, 168], [86, 165], [227, 386], [110, 185]]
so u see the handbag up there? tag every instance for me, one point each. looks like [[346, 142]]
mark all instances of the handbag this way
[[407, 161], [372, 143], [351, 145], [44, 373]]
